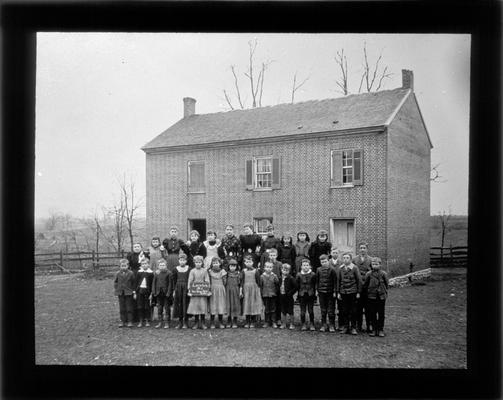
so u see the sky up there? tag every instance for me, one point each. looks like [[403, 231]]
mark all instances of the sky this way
[[101, 96]]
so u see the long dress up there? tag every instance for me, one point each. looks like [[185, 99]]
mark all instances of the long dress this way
[[252, 301], [181, 300], [211, 251], [172, 247], [301, 252], [198, 304], [232, 293], [217, 299]]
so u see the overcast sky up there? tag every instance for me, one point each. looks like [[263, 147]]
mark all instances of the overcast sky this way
[[101, 96]]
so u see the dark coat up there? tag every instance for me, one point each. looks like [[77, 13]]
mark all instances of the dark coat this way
[[149, 277], [134, 262], [231, 247], [326, 279], [376, 284], [163, 280], [288, 256], [290, 285], [124, 283], [269, 285], [349, 281], [364, 266], [306, 283], [271, 242], [316, 250]]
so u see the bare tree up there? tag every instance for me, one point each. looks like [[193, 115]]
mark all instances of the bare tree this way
[[296, 86], [444, 229], [131, 205], [342, 61], [52, 222], [256, 82], [372, 76]]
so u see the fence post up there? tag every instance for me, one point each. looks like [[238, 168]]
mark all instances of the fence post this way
[[61, 257], [452, 257], [122, 253]]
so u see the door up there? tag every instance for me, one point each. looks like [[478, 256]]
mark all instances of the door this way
[[342, 234], [197, 225]]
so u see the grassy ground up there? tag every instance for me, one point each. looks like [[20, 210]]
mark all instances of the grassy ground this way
[[76, 323]]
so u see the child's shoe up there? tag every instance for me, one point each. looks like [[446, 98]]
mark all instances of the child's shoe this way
[[159, 325], [212, 326], [323, 328], [252, 325], [234, 326], [139, 325], [121, 325], [129, 324], [185, 326], [353, 331], [203, 326], [180, 324], [147, 323], [343, 330], [247, 325], [331, 328], [372, 333], [381, 334], [274, 325], [166, 325], [304, 327], [282, 326], [291, 327], [312, 327]]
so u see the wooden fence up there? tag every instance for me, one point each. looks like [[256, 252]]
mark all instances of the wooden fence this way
[[76, 261], [449, 257]]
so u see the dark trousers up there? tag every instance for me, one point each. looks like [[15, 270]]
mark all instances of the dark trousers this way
[[306, 301], [327, 306], [340, 316], [277, 313], [361, 309], [349, 309], [126, 308], [376, 313], [143, 305], [285, 304], [269, 307], [163, 306]]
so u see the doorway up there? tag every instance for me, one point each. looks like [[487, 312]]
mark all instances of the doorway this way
[[342, 234], [197, 225]]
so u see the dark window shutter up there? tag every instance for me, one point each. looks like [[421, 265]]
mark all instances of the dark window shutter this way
[[336, 168], [276, 173], [249, 174], [357, 167]]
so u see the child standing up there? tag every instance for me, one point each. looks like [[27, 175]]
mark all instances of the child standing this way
[[270, 242], [143, 289], [134, 258], [335, 263], [269, 288], [348, 291], [124, 286], [287, 252], [326, 282], [218, 278], [154, 253], [276, 269], [301, 249], [376, 283], [181, 300], [306, 282], [252, 302], [212, 248], [287, 288], [320, 246], [162, 290], [198, 304], [234, 292], [196, 248], [362, 261]]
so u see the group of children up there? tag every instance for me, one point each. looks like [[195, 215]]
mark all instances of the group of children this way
[[247, 277]]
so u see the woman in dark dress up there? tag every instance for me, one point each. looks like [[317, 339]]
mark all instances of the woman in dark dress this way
[[250, 244], [171, 249]]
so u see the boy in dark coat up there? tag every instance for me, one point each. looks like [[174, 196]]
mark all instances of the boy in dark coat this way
[[124, 289], [143, 289], [287, 251], [270, 242], [162, 290], [276, 269], [349, 287], [269, 290], [287, 288], [336, 263], [320, 246], [362, 261], [376, 284], [306, 283], [326, 282]]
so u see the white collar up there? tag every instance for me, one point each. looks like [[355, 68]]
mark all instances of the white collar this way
[[350, 266], [147, 270]]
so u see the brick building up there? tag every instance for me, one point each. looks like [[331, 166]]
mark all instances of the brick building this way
[[357, 166]]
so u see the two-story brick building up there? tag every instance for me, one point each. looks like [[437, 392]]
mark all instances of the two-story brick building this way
[[357, 166]]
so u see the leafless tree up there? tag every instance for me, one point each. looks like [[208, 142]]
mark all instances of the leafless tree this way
[[52, 221], [131, 205], [372, 76], [256, 82], [342, 62], [444, 218], [296, 86]]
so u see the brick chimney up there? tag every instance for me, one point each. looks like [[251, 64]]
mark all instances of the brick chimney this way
[[189, 106], [407, 79]]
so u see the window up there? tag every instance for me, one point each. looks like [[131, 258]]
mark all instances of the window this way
[[346, 168], [260, 225], [195, 177], [263, 173]]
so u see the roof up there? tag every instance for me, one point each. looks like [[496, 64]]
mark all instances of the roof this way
[[375, 109]]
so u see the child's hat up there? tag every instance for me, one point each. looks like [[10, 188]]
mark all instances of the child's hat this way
[[322, 232]]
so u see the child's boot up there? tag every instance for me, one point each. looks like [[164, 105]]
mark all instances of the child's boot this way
[[185, 325], [353, 331], [203, 323], [159, 325], [121, 324], [139, 324], [212, 322], [147, 323], [196, 322], [372, 333], [332, 324], [235, 323], [304, 327], [266, 320], [312, 327], [129, 324], [252, 322], [291, 323], [381, 333], [221, 322], [247, 322]]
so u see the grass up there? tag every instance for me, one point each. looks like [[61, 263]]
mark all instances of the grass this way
[[425, 328]]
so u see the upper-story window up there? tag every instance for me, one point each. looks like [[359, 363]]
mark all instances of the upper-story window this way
[[263, 173], [346, 168], [195, 178]]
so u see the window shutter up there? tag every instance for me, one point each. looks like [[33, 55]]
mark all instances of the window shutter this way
[[357, 167], [336, 168], [276, 173], [249, 174]]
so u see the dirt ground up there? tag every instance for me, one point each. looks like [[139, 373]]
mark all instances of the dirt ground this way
[[76, 323]]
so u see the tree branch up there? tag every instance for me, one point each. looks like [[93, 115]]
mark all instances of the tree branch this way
[[228, 100], [238, 93]]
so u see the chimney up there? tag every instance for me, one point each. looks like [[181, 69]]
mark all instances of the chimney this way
[[189, 106], [407, 79]]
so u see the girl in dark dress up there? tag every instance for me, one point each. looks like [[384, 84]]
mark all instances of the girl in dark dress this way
[[250, 244], [287, 253], [196, 247], [181, 300], [171, 247]]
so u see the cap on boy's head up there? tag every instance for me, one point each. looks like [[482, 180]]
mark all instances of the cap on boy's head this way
[[346, 253], [182, 256], [363, 244], [322, 232], [248, 226], [233, 262], [323, 257], [194, 232]]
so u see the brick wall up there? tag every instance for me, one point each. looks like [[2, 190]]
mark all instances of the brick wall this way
[[408, 190], [305, 200]]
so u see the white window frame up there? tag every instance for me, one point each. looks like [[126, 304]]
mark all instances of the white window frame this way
[[347, 167], [189, 163], [256, 173]]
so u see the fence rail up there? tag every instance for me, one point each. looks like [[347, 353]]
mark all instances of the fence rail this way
[[77, 261], [450, 257]]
